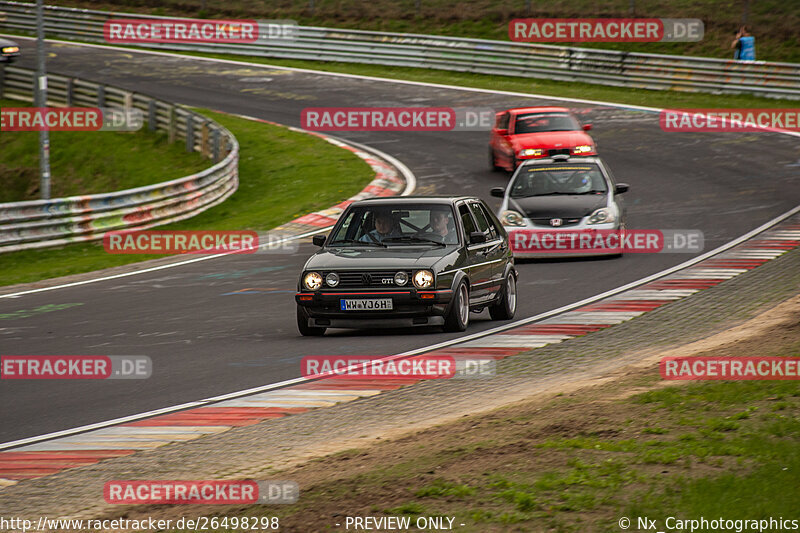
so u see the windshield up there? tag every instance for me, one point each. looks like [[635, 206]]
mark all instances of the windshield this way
[[540, 122], [544, 180], [400, 225]]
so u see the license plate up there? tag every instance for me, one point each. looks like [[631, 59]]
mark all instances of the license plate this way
[[371, 304]]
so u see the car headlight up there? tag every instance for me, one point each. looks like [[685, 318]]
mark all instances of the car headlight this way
[[10, 49], [603, 215], [423, 279], [401, 278], [582, 149], [536, 152], [332, 279], [312, 281], [512, 218]]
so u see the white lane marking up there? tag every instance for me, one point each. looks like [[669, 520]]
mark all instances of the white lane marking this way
[[587, 320], [756, 254], [156, 430], [521, 341], [655, 294], [59, 446], [280, 402]]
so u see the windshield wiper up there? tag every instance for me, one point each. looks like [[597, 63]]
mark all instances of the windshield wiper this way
[[592, 192], [353, 241], [414, 239]]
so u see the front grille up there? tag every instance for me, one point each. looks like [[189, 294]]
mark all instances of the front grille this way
[[558, 151], [367, 279], [564, 222]]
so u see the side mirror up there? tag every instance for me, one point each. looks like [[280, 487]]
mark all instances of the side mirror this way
[[503, 131], [587, 127], [621, 188], [499, 192], [477, 237], [318, 240]]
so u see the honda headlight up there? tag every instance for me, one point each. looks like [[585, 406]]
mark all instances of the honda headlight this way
[[528, 152], [423, 279], [603, 215], [312, 281], [512, 218], [10, 50]]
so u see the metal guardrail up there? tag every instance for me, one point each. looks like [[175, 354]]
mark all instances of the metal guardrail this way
[[43, 223], [606, 67]]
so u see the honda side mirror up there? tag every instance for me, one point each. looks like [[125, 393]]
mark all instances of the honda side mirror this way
[[318, 240], [499, 192], [621, 188]]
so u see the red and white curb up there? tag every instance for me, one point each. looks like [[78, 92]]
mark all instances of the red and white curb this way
[[51, 456]]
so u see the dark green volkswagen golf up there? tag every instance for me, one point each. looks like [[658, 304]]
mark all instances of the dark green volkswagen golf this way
[[409, 261]]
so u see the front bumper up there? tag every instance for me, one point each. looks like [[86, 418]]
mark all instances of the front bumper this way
[[411, 307]]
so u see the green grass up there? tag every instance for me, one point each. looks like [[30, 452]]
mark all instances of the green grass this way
[[282, 175], [774, 22], [90, 162]]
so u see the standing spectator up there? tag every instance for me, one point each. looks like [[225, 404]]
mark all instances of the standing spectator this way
[[744, 45]]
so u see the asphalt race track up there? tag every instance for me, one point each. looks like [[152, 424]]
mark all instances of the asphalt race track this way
[[208, 336]]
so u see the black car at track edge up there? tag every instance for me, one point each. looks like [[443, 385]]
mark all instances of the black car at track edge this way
[[408, 261]]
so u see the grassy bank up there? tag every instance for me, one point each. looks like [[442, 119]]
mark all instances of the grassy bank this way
[[774, 22], [90, 162], [282, 175]]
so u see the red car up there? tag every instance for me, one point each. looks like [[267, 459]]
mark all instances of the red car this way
[[536, 132]]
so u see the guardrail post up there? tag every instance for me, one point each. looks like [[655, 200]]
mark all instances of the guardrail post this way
[[70, 91], [101, 95], [204, 139], [151, 115], [189, 133], [173, 126], [127, 102], [215, 145]]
